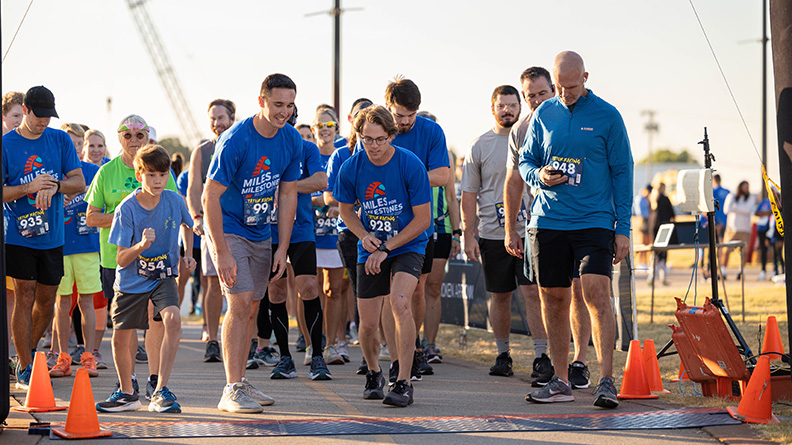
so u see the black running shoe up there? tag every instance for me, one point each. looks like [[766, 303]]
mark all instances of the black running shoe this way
[[543, 371], [423, 366], [415, 371], [393, 373], [251, 360], [579, 375], [212, 352], [401, 395], [363, 369], [374, 384], [503, 365]]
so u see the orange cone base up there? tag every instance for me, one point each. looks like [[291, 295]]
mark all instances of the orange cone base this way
[[733, 412], [647, 396], [664, 391], [61, 431], [34, 409]]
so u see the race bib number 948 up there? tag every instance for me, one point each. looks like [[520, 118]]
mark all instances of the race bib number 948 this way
[[572, 168]]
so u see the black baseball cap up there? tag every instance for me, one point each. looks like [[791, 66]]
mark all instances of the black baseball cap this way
[[41, 101]]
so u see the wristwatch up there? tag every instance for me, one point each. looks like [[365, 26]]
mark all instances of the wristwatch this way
[[457, 232], [382, 248]]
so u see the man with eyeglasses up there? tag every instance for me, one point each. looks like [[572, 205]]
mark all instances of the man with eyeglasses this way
[[221, 116], [253, 159], [426, 140], [482, 183], [577, 156], [114, 182], [40, 166], [537, 87]]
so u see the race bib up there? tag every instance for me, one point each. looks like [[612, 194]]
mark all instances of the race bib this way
[[384, 227], [572, 168], [33, 224], [82, 226], [325, 226], [155, 268], [500, 210], [258, 211]]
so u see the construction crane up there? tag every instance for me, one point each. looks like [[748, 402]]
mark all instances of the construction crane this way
[[167, 75]]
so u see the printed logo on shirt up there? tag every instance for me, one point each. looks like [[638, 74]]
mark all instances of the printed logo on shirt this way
[[263, 164], [587, 128], [375, 189], [34, 166], [130, 185]]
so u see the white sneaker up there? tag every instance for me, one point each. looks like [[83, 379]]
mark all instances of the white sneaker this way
[[308, 356], [237, 400], [762, 276], [332, 357], [355, 340], [255, 394], [343, 351], [384, 353]]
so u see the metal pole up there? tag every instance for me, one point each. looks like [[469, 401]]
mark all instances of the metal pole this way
[[5, 402], [764, 91], [337, 60], [781, 36]]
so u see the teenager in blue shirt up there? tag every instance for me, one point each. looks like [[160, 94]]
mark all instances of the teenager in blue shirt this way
[[426, 140], [146, 228], [392, 188], [252, 160], [577, 156], [39, 167]]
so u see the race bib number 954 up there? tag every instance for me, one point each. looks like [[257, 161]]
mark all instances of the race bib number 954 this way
[[383, 227], [155, 268], [33, 224]]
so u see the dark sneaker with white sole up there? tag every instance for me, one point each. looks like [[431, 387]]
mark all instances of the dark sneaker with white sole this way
[[503, 365], [374, 384], [284, 369], [164, 401], [543, 371], [119, 402], [423, 366], [393, 373], [606, 394], [363, 368], [319, 369], [212, 352], [401, 395], [554, 391], [579, 375]]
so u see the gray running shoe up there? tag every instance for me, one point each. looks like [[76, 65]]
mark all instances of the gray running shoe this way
[[141, 356], [606, 393], [374, 384], [266, 357], [343, 351], [503, 365], [284, 369], [151, 386], [332, 357], [255, 394], [100, 363], [76, 353], [384, 353], [52, 359], [238, 401], [432, 354], [555, 391], [579, 375], [319, 369]]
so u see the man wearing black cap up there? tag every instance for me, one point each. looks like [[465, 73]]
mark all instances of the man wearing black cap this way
[[40, 166]]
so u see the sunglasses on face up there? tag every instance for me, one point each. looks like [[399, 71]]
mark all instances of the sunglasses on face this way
[[139, 135], [330, 124]]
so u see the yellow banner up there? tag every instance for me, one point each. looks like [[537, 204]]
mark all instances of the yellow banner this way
[[774, 193]]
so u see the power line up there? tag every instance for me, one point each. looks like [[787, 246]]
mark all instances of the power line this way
[[17, 30]]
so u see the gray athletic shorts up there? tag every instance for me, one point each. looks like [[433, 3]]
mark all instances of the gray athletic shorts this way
[[254, 262], [130, 311]]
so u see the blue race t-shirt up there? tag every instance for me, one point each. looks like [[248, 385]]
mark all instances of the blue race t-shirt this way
[[337, 159], [24, 159], [387, 194], [181, 185], [303, 229], [427, 141], [251, 167], [161, 259], [79, 238], [764, 221], [325, 228], [720, 194]]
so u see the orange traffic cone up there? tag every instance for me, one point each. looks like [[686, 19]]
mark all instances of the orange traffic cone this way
[[634, 383], [82, 421], [652, 368], [772, 339], [40, 397], [756, 405], [682, 374]]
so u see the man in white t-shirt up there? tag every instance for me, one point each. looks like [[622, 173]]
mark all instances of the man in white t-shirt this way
[[482, 183]]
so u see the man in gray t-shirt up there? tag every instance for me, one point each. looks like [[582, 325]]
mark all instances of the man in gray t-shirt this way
[[482, 183], [537, 87]]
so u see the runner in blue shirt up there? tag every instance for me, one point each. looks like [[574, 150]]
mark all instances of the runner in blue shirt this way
[[302, 255], [392, 188], [426, 140], [252, 160], [577, 156], [39, 167]]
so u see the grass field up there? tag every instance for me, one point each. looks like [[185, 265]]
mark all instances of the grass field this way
[[761, 300]]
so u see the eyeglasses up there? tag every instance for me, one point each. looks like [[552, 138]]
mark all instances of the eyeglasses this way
[[330, 124], [138, 135], [501, 107], [370, 141]]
